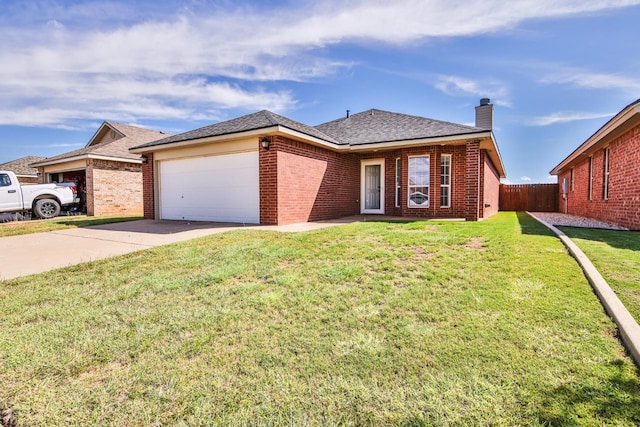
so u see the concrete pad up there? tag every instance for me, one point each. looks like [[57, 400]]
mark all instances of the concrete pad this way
[[40, 252]]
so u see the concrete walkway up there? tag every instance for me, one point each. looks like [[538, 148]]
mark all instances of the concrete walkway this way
[[40, 252]]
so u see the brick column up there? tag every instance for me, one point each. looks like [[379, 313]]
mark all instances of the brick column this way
[[481, 181], [90, 189], [472, 181], [268, 176], [148, 188]]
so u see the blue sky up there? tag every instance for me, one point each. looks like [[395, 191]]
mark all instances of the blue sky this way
[[555, 70]]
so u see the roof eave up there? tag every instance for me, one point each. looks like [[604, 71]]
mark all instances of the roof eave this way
[[487, 136], [84, 157], [494, 154], [601, 136], [418, 141], [270, 130]]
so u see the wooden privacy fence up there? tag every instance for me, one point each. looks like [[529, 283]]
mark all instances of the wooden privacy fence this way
[[529, 197]]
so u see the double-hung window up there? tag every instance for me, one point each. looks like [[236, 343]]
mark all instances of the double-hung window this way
[[590, 188], [445, 181], [418, 185], [605, 180], [398, 181]]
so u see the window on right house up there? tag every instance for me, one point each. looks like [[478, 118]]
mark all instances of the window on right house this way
[[605, 178], [590, 187]]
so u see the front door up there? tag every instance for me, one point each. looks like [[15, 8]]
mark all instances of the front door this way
[[372, 182]]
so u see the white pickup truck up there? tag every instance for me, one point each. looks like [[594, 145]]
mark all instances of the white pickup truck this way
[[44, 200]]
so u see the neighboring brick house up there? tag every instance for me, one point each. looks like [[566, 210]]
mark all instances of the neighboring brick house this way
[[25, 173], [107, 175], [268, 169], [601, 178]]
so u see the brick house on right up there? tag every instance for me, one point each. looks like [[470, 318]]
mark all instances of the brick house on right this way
[[601, 178]]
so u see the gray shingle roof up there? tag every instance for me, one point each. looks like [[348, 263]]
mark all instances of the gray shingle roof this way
[[21, 166], [369, 127], [375, 126], [255, 121], [118, 148]]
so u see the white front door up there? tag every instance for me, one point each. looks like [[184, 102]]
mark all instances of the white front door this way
[[372, 186]]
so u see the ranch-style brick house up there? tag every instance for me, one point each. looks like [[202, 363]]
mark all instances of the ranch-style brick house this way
[[601, 178], [265, 168], [107, 175]]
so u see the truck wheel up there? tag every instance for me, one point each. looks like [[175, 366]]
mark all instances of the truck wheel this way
[[46, 208]]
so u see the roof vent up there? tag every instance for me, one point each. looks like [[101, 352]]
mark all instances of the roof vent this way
[[348, 113]]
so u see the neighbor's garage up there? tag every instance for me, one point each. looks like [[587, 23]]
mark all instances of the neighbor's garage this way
[[223, 188]]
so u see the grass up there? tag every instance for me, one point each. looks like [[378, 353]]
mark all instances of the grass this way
[[367, 324], [17, 228], [616, 255]]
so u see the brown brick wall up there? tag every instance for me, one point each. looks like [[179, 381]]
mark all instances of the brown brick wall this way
[[457, 205], [300, 182], [473, 175], [115, 189], [89, 188], [490, 202], [28, 180], [267, 161], [623, 205]]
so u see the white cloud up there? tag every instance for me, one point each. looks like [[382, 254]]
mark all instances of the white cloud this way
[[567, 116], [593, 80], [552, 178], [97, 60], [525, 178], [460, 86]]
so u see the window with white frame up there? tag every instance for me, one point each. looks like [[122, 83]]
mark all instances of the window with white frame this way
[[398, 181], [590, 188], [445, 181], [605, 180], [418, 185]]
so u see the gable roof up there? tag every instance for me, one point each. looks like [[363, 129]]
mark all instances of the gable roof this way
[[21, 166], [123, 137], [376, 126], [262, 120], [627, 118]]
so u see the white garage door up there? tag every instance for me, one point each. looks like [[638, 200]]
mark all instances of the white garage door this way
[[217, 188]]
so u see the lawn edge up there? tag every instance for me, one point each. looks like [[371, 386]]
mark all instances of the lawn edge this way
[[627, 325]]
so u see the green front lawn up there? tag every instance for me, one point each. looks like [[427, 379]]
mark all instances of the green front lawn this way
[[366, 324], [16, 228], [616, 255]]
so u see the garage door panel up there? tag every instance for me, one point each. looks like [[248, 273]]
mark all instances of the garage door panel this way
[[216, 188]]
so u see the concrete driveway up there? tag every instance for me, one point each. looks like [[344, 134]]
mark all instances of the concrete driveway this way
[[40, 252]]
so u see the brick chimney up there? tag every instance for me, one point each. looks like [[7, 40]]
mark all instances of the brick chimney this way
[[484, 114]]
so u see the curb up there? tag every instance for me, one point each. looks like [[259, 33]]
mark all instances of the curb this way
[[627, 325]]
